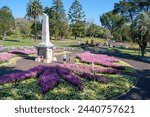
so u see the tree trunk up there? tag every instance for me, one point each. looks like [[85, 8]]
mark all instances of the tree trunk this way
[[75, 37], [35, 29], [143, 50], [4, 36]]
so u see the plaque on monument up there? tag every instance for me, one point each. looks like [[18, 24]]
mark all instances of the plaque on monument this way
[[45, 48]]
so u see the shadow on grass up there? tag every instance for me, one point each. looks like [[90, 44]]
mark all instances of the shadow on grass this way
[[12, 40]]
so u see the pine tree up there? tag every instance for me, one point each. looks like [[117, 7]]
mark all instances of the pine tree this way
[[77, 19], [59, 19]]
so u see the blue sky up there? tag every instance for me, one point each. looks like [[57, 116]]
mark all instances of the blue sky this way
[[93, 8]]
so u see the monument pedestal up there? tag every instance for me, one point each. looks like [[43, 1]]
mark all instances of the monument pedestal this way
[[45, 54]]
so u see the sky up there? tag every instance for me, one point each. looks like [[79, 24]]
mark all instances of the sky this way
[[92, 8]]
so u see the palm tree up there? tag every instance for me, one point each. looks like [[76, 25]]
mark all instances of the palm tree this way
[[34, 9], [141, 31]]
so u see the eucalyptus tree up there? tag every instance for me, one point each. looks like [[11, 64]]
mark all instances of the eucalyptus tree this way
[[34, 9]]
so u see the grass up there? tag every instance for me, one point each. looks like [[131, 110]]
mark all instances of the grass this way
[[28, 89], [17, 41], [14, 40]]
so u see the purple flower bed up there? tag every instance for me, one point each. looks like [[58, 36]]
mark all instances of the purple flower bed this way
[[22, 75], [89, 69], [24, 51], [48, 79], [5, 56], [49, 76], [69, 77], [100, 59]]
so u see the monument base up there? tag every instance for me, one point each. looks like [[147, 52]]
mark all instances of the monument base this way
[[45, 54]]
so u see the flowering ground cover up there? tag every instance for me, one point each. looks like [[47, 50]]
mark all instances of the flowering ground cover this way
[[80, 80], [5, 56], [26, 51]]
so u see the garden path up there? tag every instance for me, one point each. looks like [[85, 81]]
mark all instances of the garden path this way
[[142, 89]]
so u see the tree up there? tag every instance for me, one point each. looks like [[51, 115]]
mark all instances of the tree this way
[[141, 30], [39, 28], [7, 21], [94, 30], [34, 9], [77, 19], [112, 21], [57, 19], [131, 8], [60, 19], [24, 27], [126, 8], [144, 5]]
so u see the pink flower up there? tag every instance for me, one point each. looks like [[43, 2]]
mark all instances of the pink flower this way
[[5, 56]]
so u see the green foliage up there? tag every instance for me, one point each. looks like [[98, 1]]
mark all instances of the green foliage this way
[[57, 19], [141, 30], [77, 19], [24, 27], [34, 9], [39, 28], [111, 21], [7, 21], [131, 8]]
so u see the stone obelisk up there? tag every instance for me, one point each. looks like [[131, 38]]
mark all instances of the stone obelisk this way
[[45, 48]]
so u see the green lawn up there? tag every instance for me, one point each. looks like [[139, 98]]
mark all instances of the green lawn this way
[[18, 41]]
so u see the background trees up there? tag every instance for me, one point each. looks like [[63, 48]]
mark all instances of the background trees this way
[[112, 21], [57, 19], [7, 21], [23, 26], [34, 9], [77, 19]]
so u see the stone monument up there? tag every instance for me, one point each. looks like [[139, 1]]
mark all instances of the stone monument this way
[[45, 48]]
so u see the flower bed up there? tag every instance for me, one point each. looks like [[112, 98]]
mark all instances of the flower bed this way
[[24, 51], [69, 81], [49, 77], [5, 56], [99, 59]]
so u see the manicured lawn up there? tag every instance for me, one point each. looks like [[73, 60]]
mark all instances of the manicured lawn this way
[[17, 41]]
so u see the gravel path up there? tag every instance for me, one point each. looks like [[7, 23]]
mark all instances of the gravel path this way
[[142, 90]]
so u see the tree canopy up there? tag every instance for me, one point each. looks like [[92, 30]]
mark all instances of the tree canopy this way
[[111, 21], [7, 21], [77, 19], [34, 9]]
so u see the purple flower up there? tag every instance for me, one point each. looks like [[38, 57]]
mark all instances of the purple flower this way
[[24, 51], [5, 56], [100, 59], [22, 75], [48, 79], [69, 77]]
